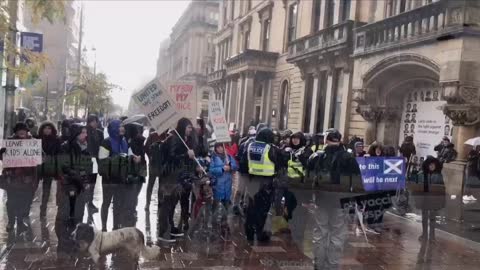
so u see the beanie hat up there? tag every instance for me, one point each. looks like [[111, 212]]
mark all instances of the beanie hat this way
[[20, 126]]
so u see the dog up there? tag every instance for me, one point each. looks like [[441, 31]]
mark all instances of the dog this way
[[98, 243]]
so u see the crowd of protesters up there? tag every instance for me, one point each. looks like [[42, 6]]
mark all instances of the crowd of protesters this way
[[264, 165]]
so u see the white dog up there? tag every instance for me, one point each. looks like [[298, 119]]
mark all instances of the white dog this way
[[100, 243]]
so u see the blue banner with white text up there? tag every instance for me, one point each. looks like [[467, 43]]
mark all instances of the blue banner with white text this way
[[382, 173]]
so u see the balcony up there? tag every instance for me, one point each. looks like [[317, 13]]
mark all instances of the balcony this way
[[333, 38], [216, 77], [251, 60], [440, 20]]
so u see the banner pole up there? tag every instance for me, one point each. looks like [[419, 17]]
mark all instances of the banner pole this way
[[184, 143]]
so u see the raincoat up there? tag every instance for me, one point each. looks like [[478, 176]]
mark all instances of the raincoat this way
[[223, 180]]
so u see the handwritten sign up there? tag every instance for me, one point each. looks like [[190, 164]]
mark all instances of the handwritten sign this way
[[185, 96], [216, 115], [22, 153], [157, 105]]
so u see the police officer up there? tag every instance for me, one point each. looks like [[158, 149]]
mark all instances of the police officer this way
[[263, 163]]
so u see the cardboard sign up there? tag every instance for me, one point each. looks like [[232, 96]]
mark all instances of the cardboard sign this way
[[157, 105], [382, 173], [216, 114], [184, 94], [22, 153]]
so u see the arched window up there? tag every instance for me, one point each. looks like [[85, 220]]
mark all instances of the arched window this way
[[284, 102]]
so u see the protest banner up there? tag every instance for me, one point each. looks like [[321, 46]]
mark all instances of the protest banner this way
[[216, 114], [157, 105], [382, 173], [22, 153], [185, 96], [372, 206]]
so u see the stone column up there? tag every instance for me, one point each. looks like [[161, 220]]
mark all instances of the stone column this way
[[227, 96], [232, 107], [313, 112], [240, 96], [328, 101], [247, 109], [345, 110]]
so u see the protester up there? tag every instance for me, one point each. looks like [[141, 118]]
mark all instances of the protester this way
[[232, 147], [446, 151], [407, 149], [32, 126], [375, 150], [222, 167], [358, 147], [431, 196], [20, 185], [95, 139], [76, 168], [136, 173], [473, 165], [390, 151], [65, 130], [286, 138], [179, 159], [113, 158], [152, 149], [50, 168]]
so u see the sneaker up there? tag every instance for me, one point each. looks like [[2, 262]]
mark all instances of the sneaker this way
[[166, 240], [472, 198]]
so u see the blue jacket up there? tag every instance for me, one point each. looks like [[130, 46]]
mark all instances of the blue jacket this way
[[223, 180]]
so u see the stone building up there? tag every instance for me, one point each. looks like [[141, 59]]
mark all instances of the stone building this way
[[189, 53], [252, 75], [381, 70]]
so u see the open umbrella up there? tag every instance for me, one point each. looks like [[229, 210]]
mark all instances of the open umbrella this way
[[473, 141], [134, 118]]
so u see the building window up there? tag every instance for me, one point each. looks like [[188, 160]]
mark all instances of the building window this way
[[258, 109], [321, 97], [246, 40], [336, 101], [266, 34], [308, 102], [232, 10], [224, 13], [259, 90], [292, 22], [317, 11], [284, 106], [346, 4], [390, 8], [330, 12], [403, 6], [249, 4]]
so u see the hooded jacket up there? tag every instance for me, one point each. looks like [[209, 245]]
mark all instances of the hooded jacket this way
[[407, 149], [50, 144], [115, 144], [76, 160]]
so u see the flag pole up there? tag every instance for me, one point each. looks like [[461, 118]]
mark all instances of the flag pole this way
[[184, 143]]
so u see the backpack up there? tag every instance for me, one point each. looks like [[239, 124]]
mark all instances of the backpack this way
[[243, 156]]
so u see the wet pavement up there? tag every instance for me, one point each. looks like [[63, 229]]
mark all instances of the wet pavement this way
[[397, 247]]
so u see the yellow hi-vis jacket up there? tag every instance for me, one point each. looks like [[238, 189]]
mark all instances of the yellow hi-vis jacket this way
[[295, 167], [258, 161]]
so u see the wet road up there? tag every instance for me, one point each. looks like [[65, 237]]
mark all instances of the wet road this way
[[397, 247]]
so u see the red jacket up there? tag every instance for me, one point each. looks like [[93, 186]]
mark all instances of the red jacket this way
[[232, 150]]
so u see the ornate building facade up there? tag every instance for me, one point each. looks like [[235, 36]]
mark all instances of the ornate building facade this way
[[381, 70], [189, 53]]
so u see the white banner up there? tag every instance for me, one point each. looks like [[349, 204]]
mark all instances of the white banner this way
[[185, 96], [157, 105], [216, 114], [423, 119], [22, 153]]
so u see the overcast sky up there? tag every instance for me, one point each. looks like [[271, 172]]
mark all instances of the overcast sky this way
[[127, 36]]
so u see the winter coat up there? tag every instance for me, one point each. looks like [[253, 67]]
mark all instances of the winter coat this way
[[76, 166], [223, 180], [51, 146], [472, 163], [448, 153], [95, 139], [407, 149]]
